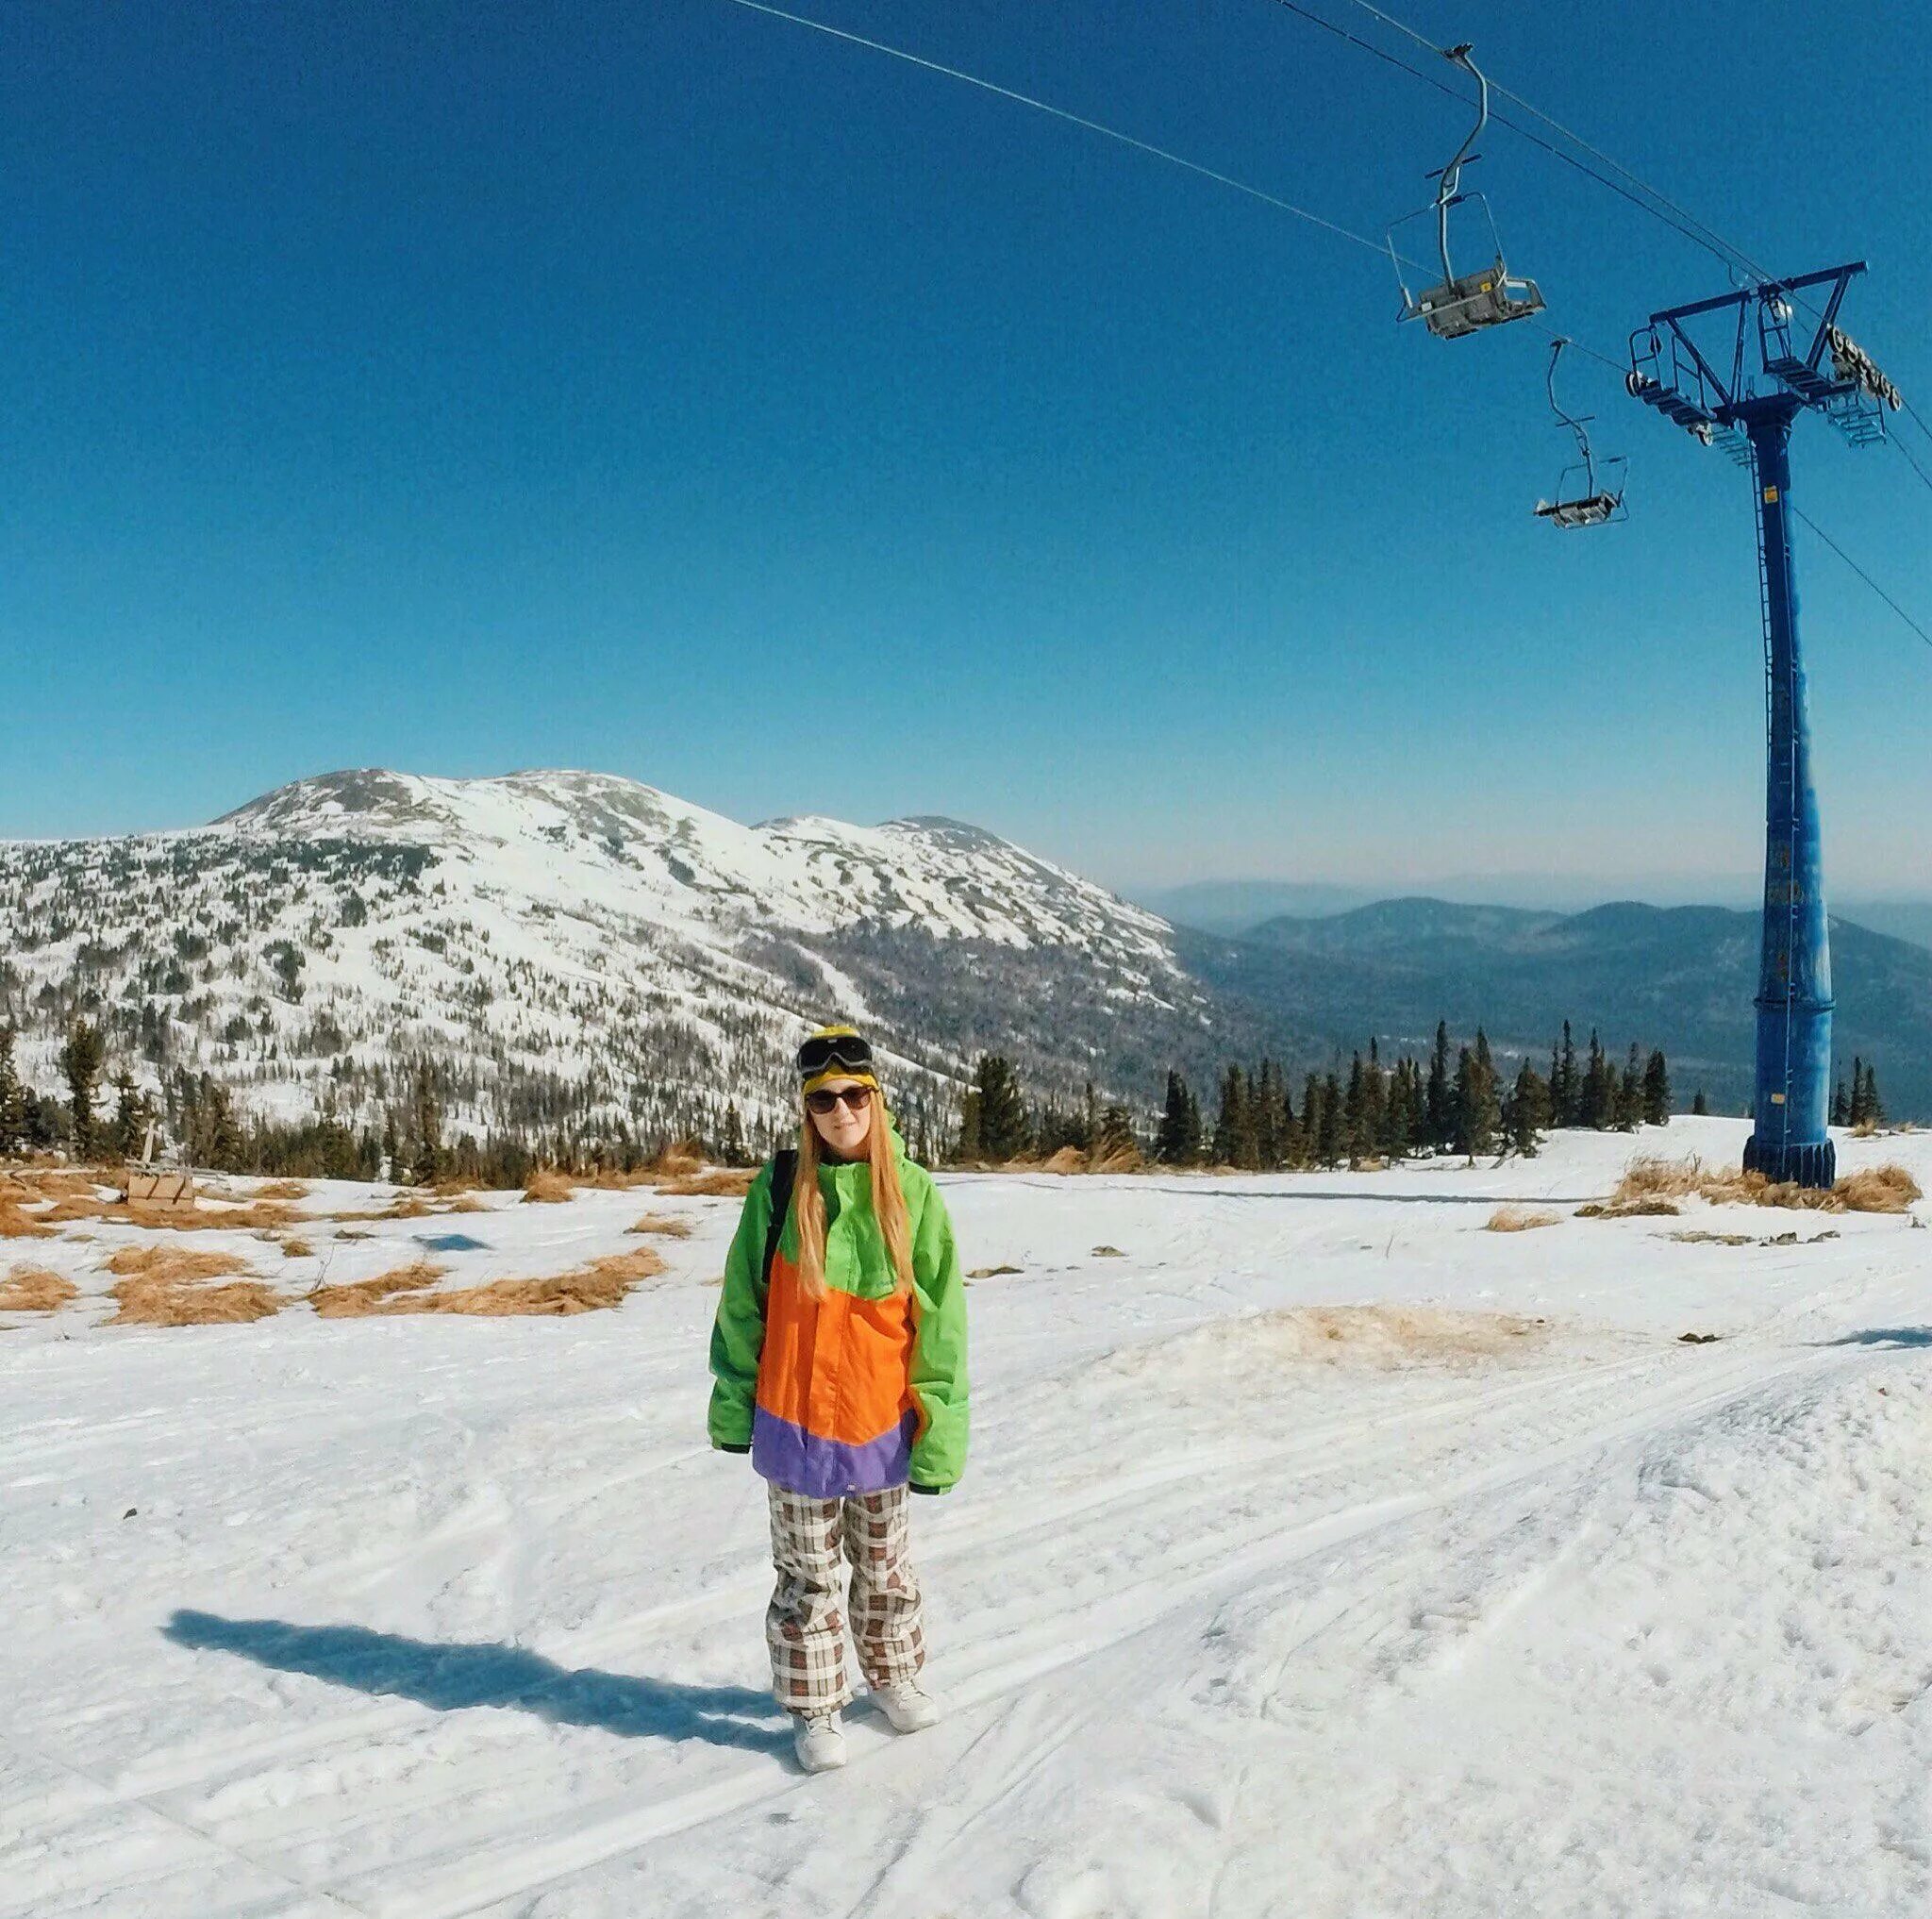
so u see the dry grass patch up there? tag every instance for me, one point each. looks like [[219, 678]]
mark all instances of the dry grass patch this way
[[724, 1183], [662, 1225], [169, 1286], [1873, 1189], [293, 1248], [593, 1288], [16, 1224], [358, 1298], [282, 1189], [1225, 1356], [547, 1189], [1518, 1219], [174, 1265], [32, 1289], [1631, 1209]]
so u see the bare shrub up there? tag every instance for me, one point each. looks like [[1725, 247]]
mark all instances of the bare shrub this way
[[662, 1225], [32, 1289], [1518, 1219]]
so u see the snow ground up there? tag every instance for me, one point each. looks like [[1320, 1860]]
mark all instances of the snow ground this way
[[1455, 1616]]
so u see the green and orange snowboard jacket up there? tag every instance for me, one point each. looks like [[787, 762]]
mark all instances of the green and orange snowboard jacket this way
[[865, 1389]]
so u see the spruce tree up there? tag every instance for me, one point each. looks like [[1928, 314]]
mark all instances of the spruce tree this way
[[1003, 1133], [1700, 1107], [1231, 1123], [1271, 1117], [731, 1147], [1439, 1129], [1630, 1093], [1841, 1107], [81, 1059], [1855, 1111], [1354, 1117], [1178, 1140], [1330, 1148], [1311, 1121], [1394, 1141], [1599, 1096], [13, 1099], [1656, 1090], [1566, 1091], [1116, 1138], [1527, 1112], [1875, 1107], [1374, 1100]]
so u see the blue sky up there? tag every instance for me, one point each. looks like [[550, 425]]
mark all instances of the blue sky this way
[[675, 392]]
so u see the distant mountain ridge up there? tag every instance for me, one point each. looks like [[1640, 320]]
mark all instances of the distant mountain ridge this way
[[575, 951], [1680, 977]]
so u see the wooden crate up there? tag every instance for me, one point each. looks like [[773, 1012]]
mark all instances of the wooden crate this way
[[161, 1189]]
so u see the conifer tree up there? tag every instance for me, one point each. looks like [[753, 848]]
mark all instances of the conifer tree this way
[[1656, 1090], [1374, 1100], [1875, 1107], [1526, 1114], [1478, 1110], [1566, 1093], [1841, 1107], [1178, 1140], [1003, 1133], [13, 1099], [81, 1059], [1354, 1132], [1231, 1122], [1700, 1107], [1313, 1098], [1598, 1104], [1855, 1110], [1330, 1147], [1440, 1123], [1394, 1143], [732, 1150], [1630, 1093], [1271, 1117]]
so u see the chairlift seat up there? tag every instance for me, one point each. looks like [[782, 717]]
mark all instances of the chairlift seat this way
[[1467, 304], [1599, 510]]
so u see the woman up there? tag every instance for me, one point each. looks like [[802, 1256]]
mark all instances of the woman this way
[[842, 1371]]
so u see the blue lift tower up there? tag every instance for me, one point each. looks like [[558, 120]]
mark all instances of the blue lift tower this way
[[1741, 391]]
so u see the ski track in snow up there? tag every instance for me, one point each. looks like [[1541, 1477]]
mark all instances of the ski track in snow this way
[[417, 1619]]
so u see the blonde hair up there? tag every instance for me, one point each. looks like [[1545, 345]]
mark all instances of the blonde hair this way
[[887, 1203]]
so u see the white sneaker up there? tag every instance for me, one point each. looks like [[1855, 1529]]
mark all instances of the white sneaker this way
[[820, 1742], [908, 1705]]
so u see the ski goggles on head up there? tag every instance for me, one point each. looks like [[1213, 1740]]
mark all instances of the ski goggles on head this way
[[827, 1053]]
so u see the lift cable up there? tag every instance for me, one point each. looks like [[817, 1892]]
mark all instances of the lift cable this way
[[1616, 366], [1798, 512], [1689, 227], [1072, 119], [1685, 221]]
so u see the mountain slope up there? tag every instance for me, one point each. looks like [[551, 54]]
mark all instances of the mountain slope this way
[[576, 949]]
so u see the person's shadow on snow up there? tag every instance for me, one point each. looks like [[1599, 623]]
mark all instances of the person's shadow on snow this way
[[450, 1677]]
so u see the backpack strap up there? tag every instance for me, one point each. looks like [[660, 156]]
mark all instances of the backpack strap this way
[[784, 1177]]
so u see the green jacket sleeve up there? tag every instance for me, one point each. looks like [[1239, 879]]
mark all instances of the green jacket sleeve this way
[[939, 1349], [738, 1334]]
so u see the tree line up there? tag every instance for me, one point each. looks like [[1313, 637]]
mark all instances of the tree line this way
[[1455, 1100]]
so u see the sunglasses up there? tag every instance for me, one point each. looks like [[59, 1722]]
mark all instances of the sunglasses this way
[[857, 1097], [837, 1049]]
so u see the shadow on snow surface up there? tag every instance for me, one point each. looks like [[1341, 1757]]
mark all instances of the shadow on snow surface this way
[[1886, 1336], [451, 1677]]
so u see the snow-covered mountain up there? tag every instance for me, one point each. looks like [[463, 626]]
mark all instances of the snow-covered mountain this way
[[572, 947]]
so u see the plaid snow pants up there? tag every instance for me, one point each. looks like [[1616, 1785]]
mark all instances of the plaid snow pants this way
[[805, 1624]]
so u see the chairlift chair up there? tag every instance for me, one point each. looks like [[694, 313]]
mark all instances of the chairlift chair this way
[[1582, 500], [1465, 302]]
